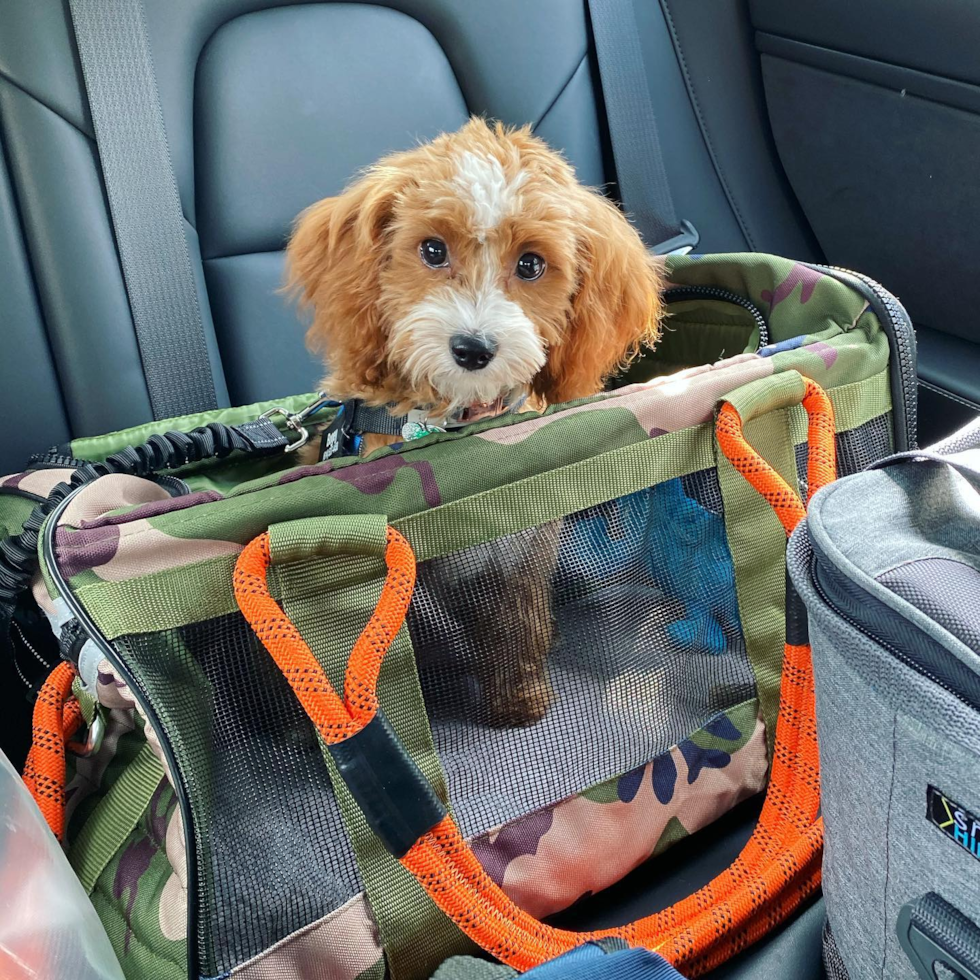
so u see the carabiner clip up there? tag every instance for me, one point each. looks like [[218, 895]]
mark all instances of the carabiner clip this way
[[295, 420]]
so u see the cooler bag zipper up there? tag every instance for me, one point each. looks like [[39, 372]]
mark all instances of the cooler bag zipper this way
[[825, 583]]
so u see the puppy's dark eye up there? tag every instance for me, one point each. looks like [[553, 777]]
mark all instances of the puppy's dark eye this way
[[434, 253], [530, 266]]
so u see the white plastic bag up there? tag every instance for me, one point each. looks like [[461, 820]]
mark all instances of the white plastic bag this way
[[48, 927]]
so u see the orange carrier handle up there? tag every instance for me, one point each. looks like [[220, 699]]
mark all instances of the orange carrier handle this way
[[57, 717], [777, 869]]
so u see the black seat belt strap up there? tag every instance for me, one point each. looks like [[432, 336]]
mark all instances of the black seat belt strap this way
[[642, 178], [146, 213]]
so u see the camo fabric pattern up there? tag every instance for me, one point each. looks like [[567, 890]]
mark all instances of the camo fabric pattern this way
[[555, 856], [819, 326], [140, 898], [547, 860]]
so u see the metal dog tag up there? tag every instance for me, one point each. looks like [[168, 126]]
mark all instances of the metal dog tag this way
[[417, 426]]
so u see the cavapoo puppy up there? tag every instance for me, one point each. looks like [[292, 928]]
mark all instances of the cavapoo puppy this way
[[461, 278], [467, 272]]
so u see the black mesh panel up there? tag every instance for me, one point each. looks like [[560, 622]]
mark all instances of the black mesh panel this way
[[856, 448], [272, 851]]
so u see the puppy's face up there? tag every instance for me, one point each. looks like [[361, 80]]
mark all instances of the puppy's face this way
[[470, 270]]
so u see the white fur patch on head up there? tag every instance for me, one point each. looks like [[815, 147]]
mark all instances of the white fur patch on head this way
[[480, 180], [421, 340]]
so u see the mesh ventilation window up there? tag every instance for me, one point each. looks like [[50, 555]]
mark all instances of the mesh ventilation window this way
[[633, 602], [272, 851]]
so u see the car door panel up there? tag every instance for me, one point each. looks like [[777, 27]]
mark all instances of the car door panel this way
[[875, 111]]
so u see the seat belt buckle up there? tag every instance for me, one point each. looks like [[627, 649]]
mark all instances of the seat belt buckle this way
[[685, 241]]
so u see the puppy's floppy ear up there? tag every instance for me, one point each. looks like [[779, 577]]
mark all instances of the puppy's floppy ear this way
[[333, 262], [615, 310]]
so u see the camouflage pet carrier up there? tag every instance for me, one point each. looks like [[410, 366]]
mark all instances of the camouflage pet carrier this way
[[340, 719]]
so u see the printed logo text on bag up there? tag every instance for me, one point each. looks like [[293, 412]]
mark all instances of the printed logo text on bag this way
[[955, 821]]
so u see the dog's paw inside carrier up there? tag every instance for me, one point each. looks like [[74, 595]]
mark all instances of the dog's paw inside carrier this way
[[361, 716]]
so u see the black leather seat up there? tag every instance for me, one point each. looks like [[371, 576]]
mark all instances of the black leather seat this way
[[270, 105]]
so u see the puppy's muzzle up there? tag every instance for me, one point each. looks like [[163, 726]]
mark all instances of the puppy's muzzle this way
[[472, 353]]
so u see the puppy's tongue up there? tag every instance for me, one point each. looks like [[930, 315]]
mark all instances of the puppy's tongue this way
[[481, 410]]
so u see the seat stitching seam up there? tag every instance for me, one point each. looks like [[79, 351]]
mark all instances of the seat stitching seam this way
[[20, 88], [951, 395], [689, 84], [561, 90], [238, 255]]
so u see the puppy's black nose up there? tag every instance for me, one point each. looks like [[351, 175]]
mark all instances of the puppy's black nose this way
[[472, 353]]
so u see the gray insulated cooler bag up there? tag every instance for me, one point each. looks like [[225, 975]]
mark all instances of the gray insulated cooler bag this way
[[888, 564]]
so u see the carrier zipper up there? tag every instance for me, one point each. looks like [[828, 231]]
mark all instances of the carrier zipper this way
[[681, 294], [141, 697], [899, 655], [898, 326]]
